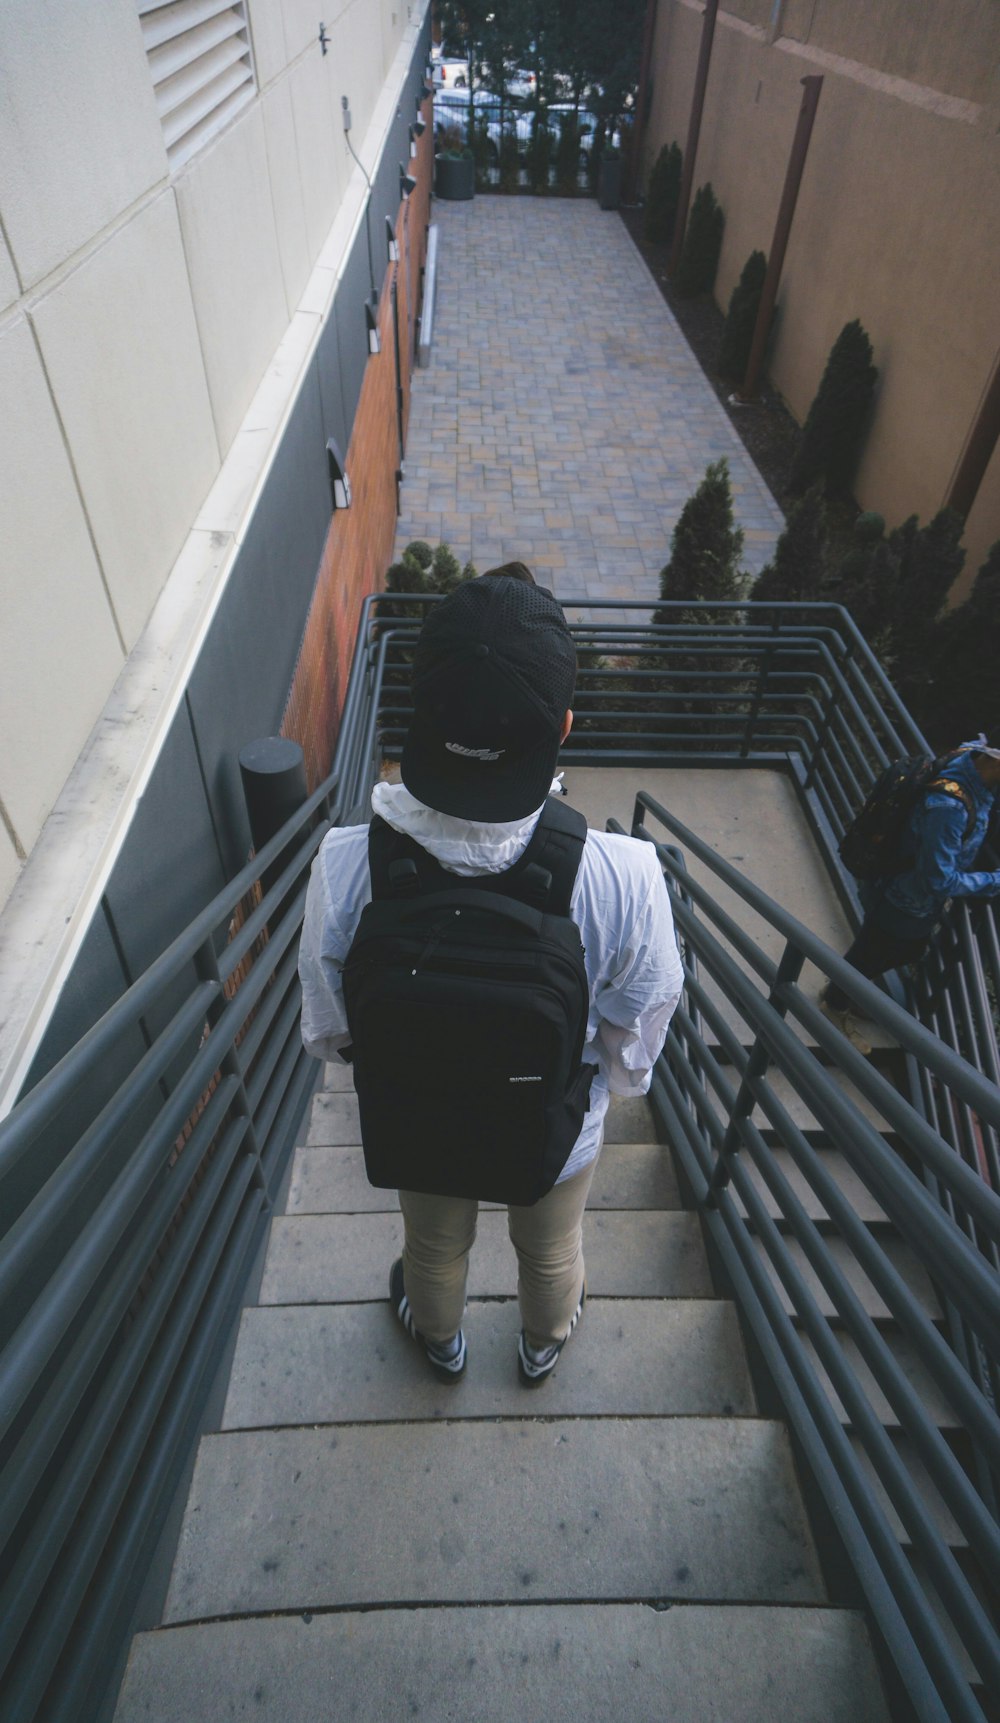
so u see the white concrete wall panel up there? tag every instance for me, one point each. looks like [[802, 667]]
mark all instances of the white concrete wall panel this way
[[393, 19], [80, 138], [9, 285], [267, 33], [302, 22], [61, 653], [120, 344], [227, 221], [358, 45], [286, 191], [10, 865], [319, 137]]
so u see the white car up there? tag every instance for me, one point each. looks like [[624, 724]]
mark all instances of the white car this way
[[451, 108], [451, 74]]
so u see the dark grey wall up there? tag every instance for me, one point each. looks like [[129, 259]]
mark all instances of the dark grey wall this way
[[190, 832]]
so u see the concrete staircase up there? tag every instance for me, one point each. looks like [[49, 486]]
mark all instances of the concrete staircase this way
[[363, 1543]]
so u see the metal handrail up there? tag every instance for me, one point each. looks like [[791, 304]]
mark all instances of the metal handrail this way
[[713, 1121], [134, 1202]]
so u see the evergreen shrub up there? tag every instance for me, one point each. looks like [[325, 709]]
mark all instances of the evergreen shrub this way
[[662, 194], [795, 573], [836, 422], [966, 691], [741, 318], [706, 546], [702, 245]]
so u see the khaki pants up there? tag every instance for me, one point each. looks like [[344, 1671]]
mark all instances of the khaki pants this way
[[548, 1239]]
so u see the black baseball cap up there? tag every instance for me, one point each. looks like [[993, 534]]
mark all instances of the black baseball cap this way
[[493, 677]]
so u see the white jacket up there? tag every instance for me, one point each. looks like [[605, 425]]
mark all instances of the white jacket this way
[[619, 903]]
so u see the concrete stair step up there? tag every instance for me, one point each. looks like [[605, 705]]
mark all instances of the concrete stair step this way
[[937, 1406], [691, 1664], [801, 1113], [514, 1511], [325, 1364], [325, 1259], [898, 1253], [333, 1181], [859, 1196], [936, 1510], [334, 1119]]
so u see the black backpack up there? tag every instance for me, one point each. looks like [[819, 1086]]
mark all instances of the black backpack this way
[[467, 1003], [874, 844]]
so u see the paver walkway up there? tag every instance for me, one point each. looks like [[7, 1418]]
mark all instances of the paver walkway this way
[[563, 418]]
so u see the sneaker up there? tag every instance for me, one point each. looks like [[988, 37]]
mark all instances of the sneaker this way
[[535, 1367], [848, 1024], [447, 1358]]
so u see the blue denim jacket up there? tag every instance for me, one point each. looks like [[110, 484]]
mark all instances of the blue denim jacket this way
[[910, 903]]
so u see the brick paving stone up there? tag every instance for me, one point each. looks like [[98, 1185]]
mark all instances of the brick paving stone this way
[[563, 418]]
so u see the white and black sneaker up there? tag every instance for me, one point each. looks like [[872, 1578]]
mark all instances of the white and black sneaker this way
[[447, 1358], [533, 1367]]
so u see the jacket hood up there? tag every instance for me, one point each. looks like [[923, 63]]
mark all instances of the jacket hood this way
[[465, 847]]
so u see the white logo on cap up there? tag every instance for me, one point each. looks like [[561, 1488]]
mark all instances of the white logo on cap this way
[[475, 753]]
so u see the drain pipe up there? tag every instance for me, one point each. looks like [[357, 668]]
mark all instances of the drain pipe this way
[[782, 227], [694, 129]]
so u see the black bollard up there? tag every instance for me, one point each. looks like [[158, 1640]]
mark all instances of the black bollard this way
[[274, 786]]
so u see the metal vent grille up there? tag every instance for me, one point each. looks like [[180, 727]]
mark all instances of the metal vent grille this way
[[200, 58]]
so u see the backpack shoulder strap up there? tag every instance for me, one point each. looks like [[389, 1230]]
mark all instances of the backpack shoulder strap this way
[[546, 873], [399, 867], [543, 876], [950, 787]]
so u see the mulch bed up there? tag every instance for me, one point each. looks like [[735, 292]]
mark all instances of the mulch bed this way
[[765, 427]]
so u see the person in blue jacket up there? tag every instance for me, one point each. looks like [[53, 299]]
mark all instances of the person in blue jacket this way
[[946, 831]]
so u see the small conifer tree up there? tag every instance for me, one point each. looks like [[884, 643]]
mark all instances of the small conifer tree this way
[[706, 546], [446, 570], [662, 194], [831, 436], [966, 692], [420, 552], [930, 560], [741, 318], [864, 580], [702, 245], [796, 571]]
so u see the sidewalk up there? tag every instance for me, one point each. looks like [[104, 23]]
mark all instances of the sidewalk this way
[[563, 418]]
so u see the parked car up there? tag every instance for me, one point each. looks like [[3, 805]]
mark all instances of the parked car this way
[[451, 108], [451, 74]]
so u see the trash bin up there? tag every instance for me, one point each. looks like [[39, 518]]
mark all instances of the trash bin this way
[[454, 177]]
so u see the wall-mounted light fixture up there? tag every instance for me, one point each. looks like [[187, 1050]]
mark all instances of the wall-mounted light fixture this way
[[419, 125], [407, 183], [390, 240], [340, 484], [413, 142], [425, 91], [371, 323]]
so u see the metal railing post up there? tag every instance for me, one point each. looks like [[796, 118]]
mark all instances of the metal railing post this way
[[761, 687], [788, 972], [829, 708]]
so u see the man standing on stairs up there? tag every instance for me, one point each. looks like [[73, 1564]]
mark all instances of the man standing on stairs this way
[[498, 656], [945, 833]]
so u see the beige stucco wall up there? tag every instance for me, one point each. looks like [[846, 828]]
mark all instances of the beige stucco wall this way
[[139, 310], [898, 218]]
